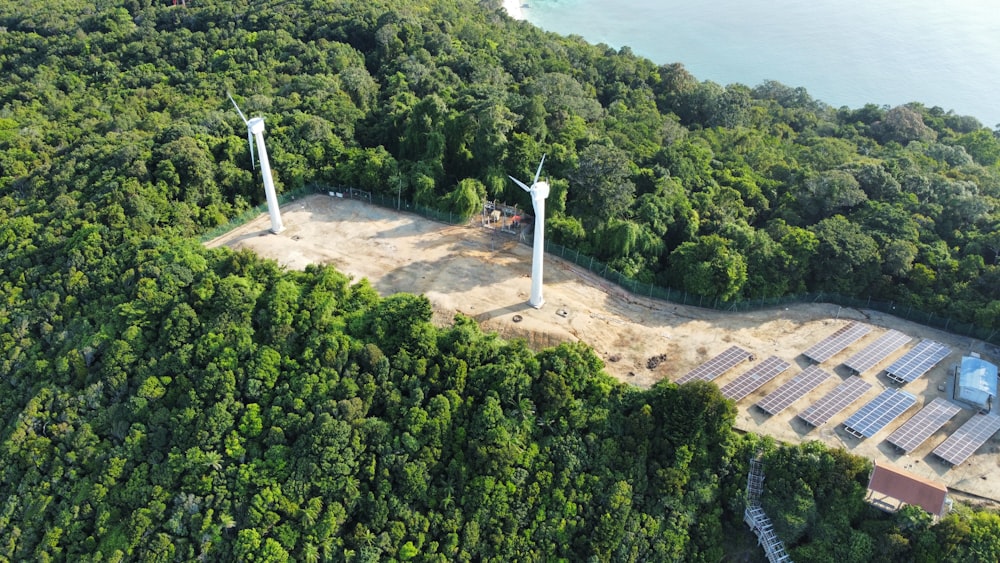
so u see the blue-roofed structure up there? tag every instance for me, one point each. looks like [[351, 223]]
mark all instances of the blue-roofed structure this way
[[976, 383]]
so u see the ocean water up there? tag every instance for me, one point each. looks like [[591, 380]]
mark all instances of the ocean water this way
[[844, 52]]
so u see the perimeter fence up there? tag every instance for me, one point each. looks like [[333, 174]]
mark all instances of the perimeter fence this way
[[632, 285], [636, 287], [382, 200], [253, 212], [387, 200], [893, 308]]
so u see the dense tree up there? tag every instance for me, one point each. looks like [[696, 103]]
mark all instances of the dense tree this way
[[161, 401], [834, 191], [601, 187], [850, 256], [709, 266], [902, 125]]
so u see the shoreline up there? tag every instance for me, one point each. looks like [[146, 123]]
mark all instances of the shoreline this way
[[513, 9]]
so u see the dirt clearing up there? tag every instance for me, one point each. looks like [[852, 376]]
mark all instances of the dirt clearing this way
[[486, 275]]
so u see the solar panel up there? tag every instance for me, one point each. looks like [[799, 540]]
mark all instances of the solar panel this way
[[917, 361], [825, 349], [922, 425], [756, 376], [877, 351], [879, 412], [835, 401], [718, 365], [792, 390], [967, 439]]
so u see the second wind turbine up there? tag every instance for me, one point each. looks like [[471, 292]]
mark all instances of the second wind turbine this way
[[539, 191], [255, 131]]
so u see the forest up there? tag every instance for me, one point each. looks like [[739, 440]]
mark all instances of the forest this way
[[160, 401]]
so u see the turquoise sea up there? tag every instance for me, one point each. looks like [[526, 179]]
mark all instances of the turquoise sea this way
[[844, 52]]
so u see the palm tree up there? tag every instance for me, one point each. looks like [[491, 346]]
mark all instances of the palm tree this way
[[310, 553]]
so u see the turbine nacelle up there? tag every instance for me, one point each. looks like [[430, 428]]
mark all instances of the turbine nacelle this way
[[538, 190], [255, 125]]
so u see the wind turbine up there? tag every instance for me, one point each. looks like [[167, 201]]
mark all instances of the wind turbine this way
[[255, 130], [539, 191]]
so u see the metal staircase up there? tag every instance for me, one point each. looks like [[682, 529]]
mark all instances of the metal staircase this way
[[758, 521]]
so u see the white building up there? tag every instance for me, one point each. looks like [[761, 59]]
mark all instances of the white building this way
[[976, 383]]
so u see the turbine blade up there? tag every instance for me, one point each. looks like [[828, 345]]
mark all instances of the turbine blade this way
[[243, 117], [520, 183], [539, 173], [253, 163]]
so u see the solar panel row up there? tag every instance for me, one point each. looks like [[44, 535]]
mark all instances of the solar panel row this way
[[825, 349], [877, 351], [835, 401], [750, 381], [718, 365], [917, 361], [922, 425], [967, 439], [792, 390], [879, 412]]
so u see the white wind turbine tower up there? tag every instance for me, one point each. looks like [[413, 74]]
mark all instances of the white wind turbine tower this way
[[255, 131], [539, 191]]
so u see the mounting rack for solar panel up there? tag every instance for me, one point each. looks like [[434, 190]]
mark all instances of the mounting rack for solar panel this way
[[878, 413], [836, 342], [968, 438], [793, 390], [754, 378], [727, 360], [918, 361], [829, 405], [923, 425], [877, 351]]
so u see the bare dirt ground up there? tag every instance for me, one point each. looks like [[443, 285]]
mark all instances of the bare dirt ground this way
[[486, 275]]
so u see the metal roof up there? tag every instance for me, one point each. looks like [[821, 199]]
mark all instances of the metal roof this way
[[907, 488], [977, 381]]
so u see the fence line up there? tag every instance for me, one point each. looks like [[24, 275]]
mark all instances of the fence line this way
[[383, 200], [253, 212], [637, 287], [907, 312]]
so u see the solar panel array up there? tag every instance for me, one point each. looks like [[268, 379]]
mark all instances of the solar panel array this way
[[756, 376], [825, 349], [922, 425], [967, 439], [718, 365], [792, 390], [835, 401], [877, 351], [879, 412], [917, 361]]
